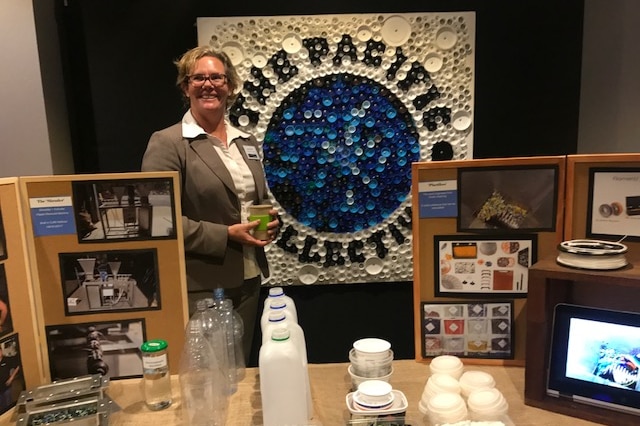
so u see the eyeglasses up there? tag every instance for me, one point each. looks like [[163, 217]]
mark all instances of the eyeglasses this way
[[216, 80]]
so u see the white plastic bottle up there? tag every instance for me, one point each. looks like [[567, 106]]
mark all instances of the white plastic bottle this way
[[204, 402], [278, 319], [283, 381], [277, 293]]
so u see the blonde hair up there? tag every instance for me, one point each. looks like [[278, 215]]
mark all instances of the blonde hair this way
[[187, 63]]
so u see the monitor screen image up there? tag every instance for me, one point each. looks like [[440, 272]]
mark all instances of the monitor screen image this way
[[603, 352], [595, 357]]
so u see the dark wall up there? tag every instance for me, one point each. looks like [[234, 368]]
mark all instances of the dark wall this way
[[334, 316], [119, 76]]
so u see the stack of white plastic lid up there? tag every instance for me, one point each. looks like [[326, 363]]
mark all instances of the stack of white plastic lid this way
[[437, 383], [487, 405], [475, 380], [447, 364], [453, 395], [371, 359], [447, 407]]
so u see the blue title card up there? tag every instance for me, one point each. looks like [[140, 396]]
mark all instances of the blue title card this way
[[438, 199], [52, 216]]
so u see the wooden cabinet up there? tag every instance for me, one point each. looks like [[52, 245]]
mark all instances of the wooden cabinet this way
[[550, 284]]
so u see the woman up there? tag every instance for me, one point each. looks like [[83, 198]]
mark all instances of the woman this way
[[221, 175]]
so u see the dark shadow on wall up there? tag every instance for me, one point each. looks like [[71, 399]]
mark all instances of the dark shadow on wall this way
[[120, 80], [333, 316]]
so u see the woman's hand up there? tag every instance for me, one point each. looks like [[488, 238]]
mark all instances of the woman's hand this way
[[273, 228], [243, 232]]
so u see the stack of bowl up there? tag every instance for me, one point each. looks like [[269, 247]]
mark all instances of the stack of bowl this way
[[373, 395], [371, 359]]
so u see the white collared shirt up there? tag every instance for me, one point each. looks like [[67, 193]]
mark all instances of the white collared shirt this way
[[240, 173]]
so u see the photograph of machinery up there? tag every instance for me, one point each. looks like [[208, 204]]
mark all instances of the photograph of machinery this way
[[3, 240], [113, 280], [109, 348], [6, 321], [124, 209], [11, 377]]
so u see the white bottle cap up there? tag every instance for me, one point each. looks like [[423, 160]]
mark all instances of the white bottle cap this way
[[276, 291]]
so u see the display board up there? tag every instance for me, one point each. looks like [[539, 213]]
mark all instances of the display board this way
[[107, 261], [603, 196], [478, 225], [19, 322]]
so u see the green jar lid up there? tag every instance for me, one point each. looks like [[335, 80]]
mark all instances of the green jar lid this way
[[154, 345]]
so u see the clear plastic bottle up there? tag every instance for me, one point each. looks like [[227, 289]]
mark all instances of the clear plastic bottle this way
[[204, 402], [282, 381], [277, 293], [214, 331], [225, 308], [238, 333]]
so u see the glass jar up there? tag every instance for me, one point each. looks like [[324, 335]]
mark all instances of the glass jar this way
[[156, 377]]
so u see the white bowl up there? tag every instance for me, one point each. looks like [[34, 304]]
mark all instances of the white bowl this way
[[374, 357], [373, 394], [371, 346], [356, 379]]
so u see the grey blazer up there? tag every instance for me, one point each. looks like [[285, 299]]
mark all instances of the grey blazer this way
[[209, 205]]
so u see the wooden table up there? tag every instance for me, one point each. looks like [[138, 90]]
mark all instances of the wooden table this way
[[330, 384]]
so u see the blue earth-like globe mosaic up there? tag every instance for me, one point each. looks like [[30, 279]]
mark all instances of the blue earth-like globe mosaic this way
[[338, 153]]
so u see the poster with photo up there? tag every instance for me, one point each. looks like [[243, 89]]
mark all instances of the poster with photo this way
[[507, 199], [483, 264], [11, 374], [3, 239], [613, 210], [474, 329], [109, 348], [110, 281], [124, 209], [6, 319]]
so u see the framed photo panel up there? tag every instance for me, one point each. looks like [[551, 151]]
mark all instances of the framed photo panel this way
[[496, 265], [124, 209], [507, 199], [110, 281], [3, 239], [613, 210], [110, 348], [6, 317], [11, 374], [474, 329]]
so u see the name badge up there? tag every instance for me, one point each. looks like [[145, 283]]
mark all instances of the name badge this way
[[252, 152]]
